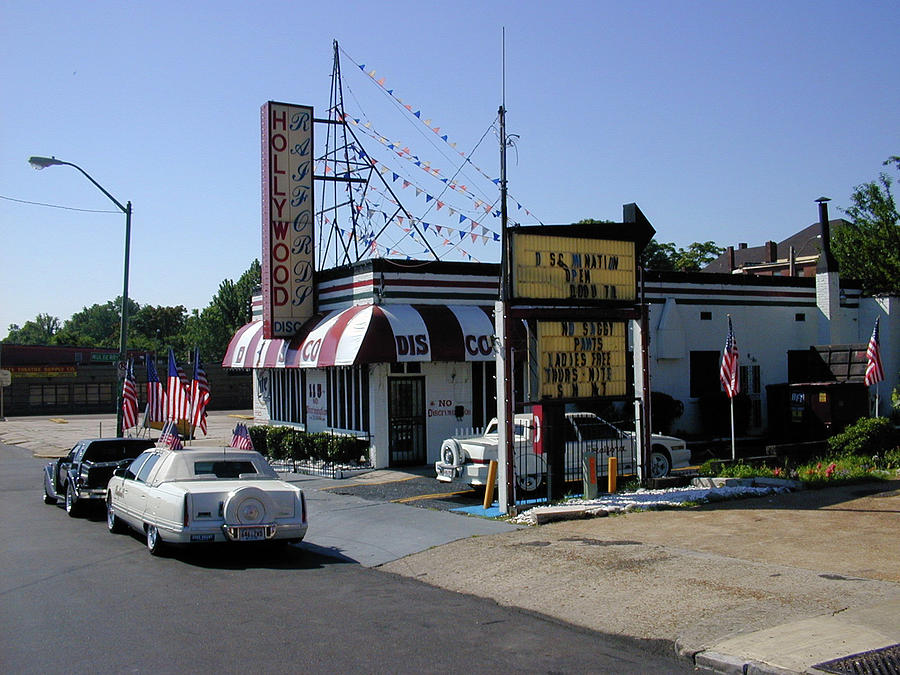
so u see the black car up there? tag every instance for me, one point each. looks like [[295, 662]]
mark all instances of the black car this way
[[84, 472]]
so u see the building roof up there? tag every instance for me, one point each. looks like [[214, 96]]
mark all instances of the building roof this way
[[806, 243]]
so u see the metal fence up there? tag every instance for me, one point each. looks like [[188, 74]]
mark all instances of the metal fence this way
[[328, 468], [532, 470]]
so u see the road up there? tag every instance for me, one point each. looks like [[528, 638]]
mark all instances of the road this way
[[78, 599]]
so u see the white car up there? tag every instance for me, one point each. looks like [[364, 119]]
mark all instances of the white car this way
[[467, 459], [204, 495]]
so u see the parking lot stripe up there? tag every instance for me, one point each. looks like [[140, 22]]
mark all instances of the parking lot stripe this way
[[436, 495]]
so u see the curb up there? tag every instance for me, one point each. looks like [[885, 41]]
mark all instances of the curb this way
[[725, 664]]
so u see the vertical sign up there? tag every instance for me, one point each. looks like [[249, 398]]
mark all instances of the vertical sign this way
[[287, 218]]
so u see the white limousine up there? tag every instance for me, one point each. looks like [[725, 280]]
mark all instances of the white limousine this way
[[204, 495]]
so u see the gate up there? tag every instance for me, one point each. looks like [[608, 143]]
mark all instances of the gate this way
[[406, 421]]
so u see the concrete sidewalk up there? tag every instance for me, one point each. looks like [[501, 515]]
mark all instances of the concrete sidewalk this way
[[768, 585]]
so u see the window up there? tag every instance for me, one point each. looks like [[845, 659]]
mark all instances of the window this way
[[135, 466], [706, 316], [288, 395], [147, 467], [750, 384], [348, 398], [799, 316], [223, 469], [704, 373]]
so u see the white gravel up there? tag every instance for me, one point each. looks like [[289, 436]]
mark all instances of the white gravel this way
[[648, 499]]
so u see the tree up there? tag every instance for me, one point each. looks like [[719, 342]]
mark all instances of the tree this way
[[36, 332], [95, 326], [666, 256], [868, 249]]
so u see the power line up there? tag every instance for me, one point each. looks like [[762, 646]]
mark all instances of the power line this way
[[56, 206]]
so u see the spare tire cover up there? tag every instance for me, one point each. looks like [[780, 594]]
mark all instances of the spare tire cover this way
[[247, 506]]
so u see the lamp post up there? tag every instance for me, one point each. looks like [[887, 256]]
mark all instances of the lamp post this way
[[43, 163]]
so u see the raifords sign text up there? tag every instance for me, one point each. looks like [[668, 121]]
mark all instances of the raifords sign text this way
[[287, 218], [576, 269], [581, 358]]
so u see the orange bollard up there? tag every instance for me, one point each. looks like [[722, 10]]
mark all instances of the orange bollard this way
[[611, 473], [489, 486]]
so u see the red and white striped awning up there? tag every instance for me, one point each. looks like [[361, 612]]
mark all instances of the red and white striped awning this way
[[371, 334]]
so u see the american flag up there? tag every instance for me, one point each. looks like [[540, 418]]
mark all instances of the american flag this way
[[728, 373], [874, 369], [199, 393], [177, 401], [169, 436], [241, 438], [129, 398], [156, 395]]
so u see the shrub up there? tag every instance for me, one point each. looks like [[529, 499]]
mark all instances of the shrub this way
[[867, 436], [664, 410], [278, 440], [258, 437]]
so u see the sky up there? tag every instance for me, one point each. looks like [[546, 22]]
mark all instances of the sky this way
[[723, 121]]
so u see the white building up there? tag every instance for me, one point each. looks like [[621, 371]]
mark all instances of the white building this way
[[402, 352]]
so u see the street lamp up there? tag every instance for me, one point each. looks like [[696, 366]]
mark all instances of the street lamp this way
[[43, 163]]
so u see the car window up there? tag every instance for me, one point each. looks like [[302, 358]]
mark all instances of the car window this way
[[593, 430], [113, 451], [135, 466], [223, 468], [147, 466], [71, 456]]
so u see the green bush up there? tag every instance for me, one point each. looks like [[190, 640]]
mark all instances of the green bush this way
[[278, 440], [664, 410], [258, 437], [867, 436]]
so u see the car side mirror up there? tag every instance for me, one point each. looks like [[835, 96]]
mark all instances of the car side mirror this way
[[120, 471]]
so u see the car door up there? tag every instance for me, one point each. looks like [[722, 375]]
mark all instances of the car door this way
[[140, 489], [126, 494], [64, 464]]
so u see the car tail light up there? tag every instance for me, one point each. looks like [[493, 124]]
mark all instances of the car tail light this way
[[187, 511], [302, 507]]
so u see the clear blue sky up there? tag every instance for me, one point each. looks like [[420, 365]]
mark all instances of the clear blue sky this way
[[724, 121]]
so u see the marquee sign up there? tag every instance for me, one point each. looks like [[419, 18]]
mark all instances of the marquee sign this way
[[574, 269], [582, 359], [287, 218]]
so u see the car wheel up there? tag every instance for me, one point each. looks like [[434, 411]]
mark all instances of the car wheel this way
[[113, 523], [528, 485], [48, 499], [72, 507], [154, 541], [452, 453], [659, 464]]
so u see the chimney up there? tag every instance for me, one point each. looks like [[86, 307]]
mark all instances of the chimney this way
[[730, 253], [827, 262], [827, 285], [771, 251], [742, 245]]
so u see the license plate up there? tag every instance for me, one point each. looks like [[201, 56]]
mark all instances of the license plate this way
[[203, 537], [448, 472], [251, 534]]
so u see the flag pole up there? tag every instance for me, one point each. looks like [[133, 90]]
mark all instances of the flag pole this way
[[733, 451]]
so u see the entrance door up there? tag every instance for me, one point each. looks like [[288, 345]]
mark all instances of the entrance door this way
[[406, 421]]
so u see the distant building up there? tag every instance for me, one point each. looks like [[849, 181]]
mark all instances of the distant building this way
[[795, 256]]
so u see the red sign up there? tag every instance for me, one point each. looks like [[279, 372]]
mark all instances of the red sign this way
[[287, 218], [537, 436]]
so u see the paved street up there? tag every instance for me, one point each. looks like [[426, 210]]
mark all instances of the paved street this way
[[77, 599], [775, 584]]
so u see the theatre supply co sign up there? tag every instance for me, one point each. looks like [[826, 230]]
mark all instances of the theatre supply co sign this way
[[577, 282]]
